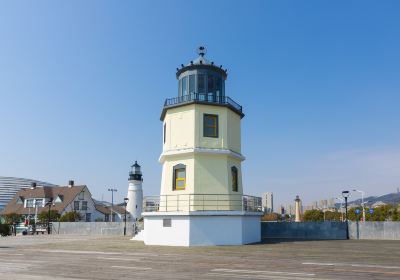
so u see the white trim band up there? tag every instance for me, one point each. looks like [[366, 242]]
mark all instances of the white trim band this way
[[200, 151]]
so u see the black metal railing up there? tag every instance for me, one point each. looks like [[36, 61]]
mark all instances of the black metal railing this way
[[203, 98]]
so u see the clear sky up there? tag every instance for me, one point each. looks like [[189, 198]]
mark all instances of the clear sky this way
[[82, 85]]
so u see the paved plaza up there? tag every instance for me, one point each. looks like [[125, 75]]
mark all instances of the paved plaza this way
[[91, 257]]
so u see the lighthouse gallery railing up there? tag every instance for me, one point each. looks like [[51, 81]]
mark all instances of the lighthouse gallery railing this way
[[202, 202], [203, 98]]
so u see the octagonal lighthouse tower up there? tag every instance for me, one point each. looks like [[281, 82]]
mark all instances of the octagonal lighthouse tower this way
[[201, 197]]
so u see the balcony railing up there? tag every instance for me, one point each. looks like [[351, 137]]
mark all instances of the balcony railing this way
[[203, 98], [202, 202]]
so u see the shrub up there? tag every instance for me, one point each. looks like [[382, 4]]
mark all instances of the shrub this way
[[5, 230], [72, 216], [54, 216]]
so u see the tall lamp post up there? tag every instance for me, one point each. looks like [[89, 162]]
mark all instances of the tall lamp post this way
[[345, 195], [341, 205], [362, 202], [112, 201], [125, 204], [49, 203]]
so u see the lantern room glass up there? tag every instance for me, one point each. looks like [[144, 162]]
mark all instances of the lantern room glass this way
[[211, 85]]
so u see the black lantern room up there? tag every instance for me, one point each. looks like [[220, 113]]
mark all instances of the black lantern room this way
[[202, 82], [135, 173]]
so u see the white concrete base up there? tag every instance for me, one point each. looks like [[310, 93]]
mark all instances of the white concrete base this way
[[201, 228], [139, 236]]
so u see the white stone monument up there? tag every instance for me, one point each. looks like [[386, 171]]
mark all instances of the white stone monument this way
[[297, 209]]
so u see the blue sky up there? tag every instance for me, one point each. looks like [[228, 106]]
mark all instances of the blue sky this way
[[82, 84]]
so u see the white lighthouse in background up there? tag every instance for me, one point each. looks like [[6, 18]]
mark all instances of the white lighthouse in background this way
[[135, 193]]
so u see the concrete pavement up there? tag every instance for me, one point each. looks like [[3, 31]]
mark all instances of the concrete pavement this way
[[94, 257]]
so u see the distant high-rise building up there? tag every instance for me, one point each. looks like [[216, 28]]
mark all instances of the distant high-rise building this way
[[268, 202], [323, 204]]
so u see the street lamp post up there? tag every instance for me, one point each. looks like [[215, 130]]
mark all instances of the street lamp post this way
[[125, 203], [362, 202], [48, 215], [345, 195], [112, 201], [341, 206]]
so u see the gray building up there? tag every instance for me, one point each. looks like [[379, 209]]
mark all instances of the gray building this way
[[9, 186]]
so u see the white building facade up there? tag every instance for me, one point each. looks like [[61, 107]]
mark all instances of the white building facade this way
[[268, 202]]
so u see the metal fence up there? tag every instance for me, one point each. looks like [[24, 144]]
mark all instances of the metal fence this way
[[202, 202], [201, 97]]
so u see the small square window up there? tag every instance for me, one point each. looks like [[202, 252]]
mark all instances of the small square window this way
[[166, 222], [210, 126], [84, 205], [76, 205], [81, 195], [39, 203], [29, 203]]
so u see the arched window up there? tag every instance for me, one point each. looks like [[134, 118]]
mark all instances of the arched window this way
[[179, 182], [235, 185]]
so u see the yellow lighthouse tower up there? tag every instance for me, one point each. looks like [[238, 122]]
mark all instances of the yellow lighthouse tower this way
[[201, 197], [201, 154]]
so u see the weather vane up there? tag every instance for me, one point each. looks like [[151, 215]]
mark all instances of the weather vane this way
[[201, 51]]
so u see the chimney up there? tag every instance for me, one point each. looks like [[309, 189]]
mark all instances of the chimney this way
[[71, 183], [33, 185]]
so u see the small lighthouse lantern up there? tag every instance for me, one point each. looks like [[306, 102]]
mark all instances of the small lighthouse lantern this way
[[135, 173]]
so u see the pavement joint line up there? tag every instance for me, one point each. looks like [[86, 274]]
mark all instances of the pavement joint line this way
[[353, 265], [260, 271], [118, 259], [252, 276], [93, 252], [131, 267]]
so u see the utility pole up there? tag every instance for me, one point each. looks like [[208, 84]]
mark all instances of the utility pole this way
[[362, 202], [125, 203], [112, 201], [346, 194]]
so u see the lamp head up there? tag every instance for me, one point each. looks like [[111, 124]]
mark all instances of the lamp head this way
[[345, 194]]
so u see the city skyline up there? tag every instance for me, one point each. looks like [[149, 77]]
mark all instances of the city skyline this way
[[318, 84]]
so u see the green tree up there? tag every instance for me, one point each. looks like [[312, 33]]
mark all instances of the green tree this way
[[12, 218], [353, 216], [332, 216], [313, 216], [44, 215], [72, 216]]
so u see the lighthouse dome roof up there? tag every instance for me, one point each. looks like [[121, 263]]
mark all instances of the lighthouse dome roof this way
[[201, 63]]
